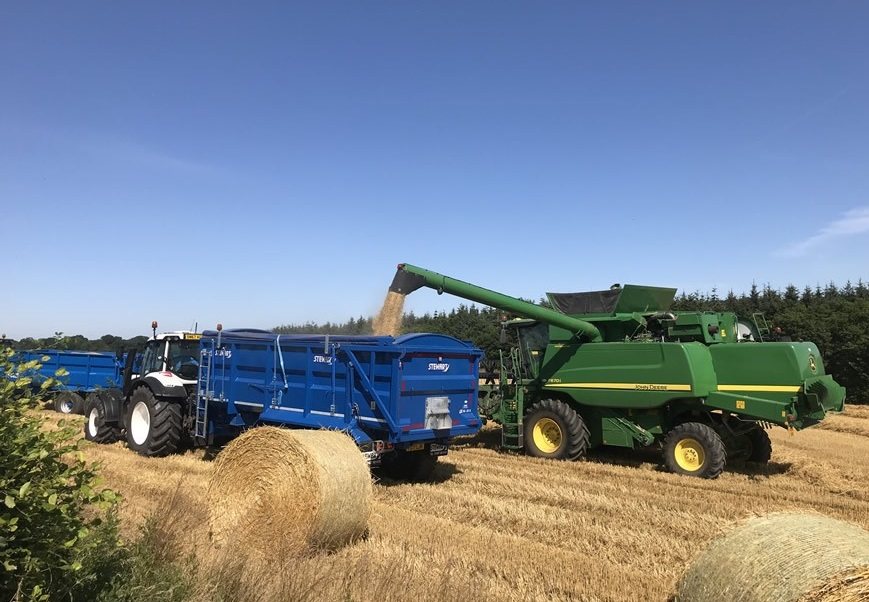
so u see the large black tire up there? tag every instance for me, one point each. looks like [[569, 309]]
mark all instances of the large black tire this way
[[552, 429], [95, 427], [694, 449], [760, 446], [154, 426], [416, 467], [68, 402]]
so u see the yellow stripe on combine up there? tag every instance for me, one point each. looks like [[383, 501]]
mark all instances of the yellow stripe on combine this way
[[622, 386], [760, 388]]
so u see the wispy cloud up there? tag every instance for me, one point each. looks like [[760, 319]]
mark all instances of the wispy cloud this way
[[116, 149], [853, 222]]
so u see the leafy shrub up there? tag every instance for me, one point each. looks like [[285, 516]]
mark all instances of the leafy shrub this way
[[58, 526]]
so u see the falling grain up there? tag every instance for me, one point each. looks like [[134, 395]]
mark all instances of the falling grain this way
[[388, 321]]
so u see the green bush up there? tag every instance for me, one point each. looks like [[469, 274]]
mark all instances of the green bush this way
[[58, 526]]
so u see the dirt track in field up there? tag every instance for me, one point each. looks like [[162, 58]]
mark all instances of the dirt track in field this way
[[504, 526]]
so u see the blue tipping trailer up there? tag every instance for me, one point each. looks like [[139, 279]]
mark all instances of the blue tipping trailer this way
[[88, 371], [403, 400]]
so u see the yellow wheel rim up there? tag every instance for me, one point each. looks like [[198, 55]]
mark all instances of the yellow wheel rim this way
[[689, 454], [547, 435]]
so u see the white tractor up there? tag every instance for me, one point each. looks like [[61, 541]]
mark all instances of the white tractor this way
[[153, 403]]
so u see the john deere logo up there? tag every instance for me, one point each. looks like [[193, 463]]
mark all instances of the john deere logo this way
[[812, 365]]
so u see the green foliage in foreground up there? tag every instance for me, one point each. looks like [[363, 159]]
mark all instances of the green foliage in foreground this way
[[58, 531]]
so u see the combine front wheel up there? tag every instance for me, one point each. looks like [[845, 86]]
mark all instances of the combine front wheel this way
[[694, 449], [552, 429]]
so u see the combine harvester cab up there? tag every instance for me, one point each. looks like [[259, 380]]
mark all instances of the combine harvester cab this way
[[402, 400], [617, 367]]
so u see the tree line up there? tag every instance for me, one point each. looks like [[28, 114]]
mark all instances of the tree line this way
[[835, 318]]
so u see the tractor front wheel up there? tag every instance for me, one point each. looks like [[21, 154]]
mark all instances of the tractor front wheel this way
[[552, 429], [694, 449], [153, 425]]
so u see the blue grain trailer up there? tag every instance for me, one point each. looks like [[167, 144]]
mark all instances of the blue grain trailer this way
[[88, 371], [402, 399]]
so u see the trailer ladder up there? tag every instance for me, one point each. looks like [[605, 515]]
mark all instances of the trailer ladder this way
[[203, 394]]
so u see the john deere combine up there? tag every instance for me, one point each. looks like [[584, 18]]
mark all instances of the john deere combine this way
[[617, 367]]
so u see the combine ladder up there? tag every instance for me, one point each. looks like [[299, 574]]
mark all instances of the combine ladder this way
[[203, 394]]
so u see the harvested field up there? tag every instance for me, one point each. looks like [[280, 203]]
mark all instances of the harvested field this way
[[509, 527]]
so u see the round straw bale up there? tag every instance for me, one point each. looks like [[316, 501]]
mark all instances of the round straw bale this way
[[276, 491], [782, 557]]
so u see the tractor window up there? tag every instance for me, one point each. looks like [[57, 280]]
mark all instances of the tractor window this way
[[152, 360], [184, 359]]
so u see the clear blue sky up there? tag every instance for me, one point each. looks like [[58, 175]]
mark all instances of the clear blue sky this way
[[268, 163]]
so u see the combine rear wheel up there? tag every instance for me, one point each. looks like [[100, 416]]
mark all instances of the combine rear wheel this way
[[694, 449], [552, 429], [96, 429], [68, 402], [759, 445], [153, 425]]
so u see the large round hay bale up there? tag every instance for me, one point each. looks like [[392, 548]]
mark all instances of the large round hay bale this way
[[783, 557], [275, 492]]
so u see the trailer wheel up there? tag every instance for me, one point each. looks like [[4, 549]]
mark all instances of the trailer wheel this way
[[95, 428], [552, 429], [694, 449], [416, 467], [153, 425], [760, 445], [68, 402]]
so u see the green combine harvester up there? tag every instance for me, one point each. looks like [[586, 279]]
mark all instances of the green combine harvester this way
[[617, 367]]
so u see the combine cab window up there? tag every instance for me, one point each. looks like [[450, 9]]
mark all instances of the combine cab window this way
[[533, 340]]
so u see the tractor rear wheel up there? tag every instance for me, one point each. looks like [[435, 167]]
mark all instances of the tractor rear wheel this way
[[95, 428], [760, 445], [154, 426], [552, 429], [694, 449], [68, 402]]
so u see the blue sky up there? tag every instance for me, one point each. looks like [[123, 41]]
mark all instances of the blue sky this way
[[267, 163]]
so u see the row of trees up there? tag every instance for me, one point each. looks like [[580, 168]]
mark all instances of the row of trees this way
[[107, 342], [835, 318]]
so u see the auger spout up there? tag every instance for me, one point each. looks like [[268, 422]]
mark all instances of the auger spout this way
[[409, 278]]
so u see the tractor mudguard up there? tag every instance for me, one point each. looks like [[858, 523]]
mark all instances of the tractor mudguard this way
[[167, 391], [112, 400]]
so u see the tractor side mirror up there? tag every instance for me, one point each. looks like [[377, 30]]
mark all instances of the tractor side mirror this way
[[503, 338]]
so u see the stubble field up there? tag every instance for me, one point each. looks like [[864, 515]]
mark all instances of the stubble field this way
[[504, 526]]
